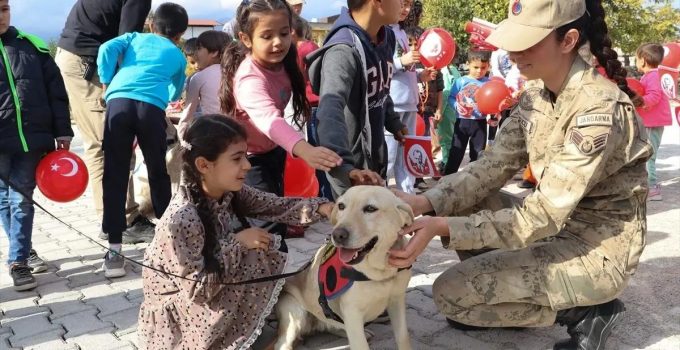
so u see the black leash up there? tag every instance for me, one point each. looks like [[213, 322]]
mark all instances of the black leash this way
[[239, 283]]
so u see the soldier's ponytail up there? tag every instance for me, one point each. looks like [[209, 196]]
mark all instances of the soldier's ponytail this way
[[593, 28]]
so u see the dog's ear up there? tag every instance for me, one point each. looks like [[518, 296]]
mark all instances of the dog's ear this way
[[405, 213], [334, 214]]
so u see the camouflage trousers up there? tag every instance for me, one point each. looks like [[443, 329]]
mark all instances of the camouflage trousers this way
[[526, 287]]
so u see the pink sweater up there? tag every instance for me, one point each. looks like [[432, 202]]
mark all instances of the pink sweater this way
[[656, 111], [261, 96]]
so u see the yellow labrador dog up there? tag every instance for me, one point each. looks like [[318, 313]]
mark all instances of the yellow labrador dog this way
[[356, 284]]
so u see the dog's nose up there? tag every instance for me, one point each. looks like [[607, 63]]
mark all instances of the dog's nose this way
[[340, 235]]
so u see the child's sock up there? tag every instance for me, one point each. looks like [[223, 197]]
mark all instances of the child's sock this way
[[116, 247]]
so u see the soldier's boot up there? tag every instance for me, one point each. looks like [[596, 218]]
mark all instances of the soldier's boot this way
[[589, 326]]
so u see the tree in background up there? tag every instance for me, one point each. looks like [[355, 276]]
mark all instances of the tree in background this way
[[630, 22]]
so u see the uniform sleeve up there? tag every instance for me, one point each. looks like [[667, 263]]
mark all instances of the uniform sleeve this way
[[132, 16], [462, 190], [338, 71], [109, 52], [58, 99], [576, 167], [270, 207], [254, 98]]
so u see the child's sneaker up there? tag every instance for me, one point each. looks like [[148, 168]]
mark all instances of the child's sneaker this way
[[114, 265], [655, 193], [35, 262], [22, 277]]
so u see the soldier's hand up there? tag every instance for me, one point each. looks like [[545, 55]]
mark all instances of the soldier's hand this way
[[423, 230], [418, 203]]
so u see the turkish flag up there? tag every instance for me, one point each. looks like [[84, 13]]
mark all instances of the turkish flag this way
[[418, 156]]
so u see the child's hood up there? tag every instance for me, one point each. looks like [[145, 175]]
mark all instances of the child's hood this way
[[340, 33]]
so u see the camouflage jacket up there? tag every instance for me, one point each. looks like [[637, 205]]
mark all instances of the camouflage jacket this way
[[587, 149]]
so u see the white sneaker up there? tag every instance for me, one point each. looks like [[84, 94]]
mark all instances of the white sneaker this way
[[655, 194], [114, 265]]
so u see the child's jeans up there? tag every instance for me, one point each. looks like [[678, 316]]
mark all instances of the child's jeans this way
[[16, 212], [655, 139]]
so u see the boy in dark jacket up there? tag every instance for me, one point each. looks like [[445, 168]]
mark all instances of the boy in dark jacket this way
[[33, 115], [351, 73]]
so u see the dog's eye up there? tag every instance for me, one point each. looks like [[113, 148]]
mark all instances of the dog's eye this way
[[370, 209], [341, 206]]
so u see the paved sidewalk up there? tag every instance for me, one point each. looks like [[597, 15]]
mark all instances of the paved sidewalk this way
[[76, 307]]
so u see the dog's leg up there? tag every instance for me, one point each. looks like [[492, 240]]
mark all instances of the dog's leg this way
[[293, 321], [397, 312], [354, 326]]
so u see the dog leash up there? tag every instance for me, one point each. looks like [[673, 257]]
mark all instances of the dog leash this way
[[239, 283]]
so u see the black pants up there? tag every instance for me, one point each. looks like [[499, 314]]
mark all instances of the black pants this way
[[266, 175], [466, 131], [125, 119]]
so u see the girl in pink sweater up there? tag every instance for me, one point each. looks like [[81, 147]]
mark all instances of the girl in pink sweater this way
[[259, 73], [655, 112]]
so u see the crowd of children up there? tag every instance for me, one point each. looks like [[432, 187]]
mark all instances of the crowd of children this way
[[358, 94]]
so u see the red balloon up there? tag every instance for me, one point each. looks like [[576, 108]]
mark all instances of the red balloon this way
[[437, 48], [497, 78], [299, 179], [671, 55], [636, 86], [420, 125], [61, 176], [493, 97]]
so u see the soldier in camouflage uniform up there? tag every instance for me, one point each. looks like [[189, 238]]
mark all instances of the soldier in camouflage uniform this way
[[567, 251]]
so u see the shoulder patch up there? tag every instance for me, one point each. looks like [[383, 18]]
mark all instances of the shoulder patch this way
[[594, 119], [588, 144], [526, 124], [528, 98]]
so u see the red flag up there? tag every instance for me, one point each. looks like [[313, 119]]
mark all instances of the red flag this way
[[418, 156], [669, 81]]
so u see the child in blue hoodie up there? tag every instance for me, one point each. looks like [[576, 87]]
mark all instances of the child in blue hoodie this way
[[140, 73], [351, 73]]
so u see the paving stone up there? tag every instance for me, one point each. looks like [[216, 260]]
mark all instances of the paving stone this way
[[422, 303], [131, 281], [110, 304], [125, 320], [86, 278], [74, 267], [80, 323], [78, 246], [61, 308], [9, 294], [49, 276], [100, 341], [53, 344], [130, 337], [56, 291], [22, 307], [4, 342], [27, 328]]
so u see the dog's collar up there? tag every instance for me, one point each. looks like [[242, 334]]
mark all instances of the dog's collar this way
[[335, 278]]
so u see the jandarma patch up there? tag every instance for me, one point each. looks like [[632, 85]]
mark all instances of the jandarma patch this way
[[588, 144], [516, 8], [526, 124], [594, 119]]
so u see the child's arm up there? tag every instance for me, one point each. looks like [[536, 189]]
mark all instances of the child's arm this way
[[178, 79], [190, 104], [288, 210], [109, 53], [58, 101], [254, 98], [653, 93]]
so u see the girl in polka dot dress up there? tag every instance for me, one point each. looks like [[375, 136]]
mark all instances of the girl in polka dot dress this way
[[198, 238]]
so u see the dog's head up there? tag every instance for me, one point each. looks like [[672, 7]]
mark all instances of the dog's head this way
[[366, 222]]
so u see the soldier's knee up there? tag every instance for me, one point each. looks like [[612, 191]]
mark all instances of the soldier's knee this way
[[450, 291]]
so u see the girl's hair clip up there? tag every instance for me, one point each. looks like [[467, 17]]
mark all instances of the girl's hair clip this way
[[185, 145]]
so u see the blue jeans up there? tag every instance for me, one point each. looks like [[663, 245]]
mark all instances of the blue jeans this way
[[16, 212]]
